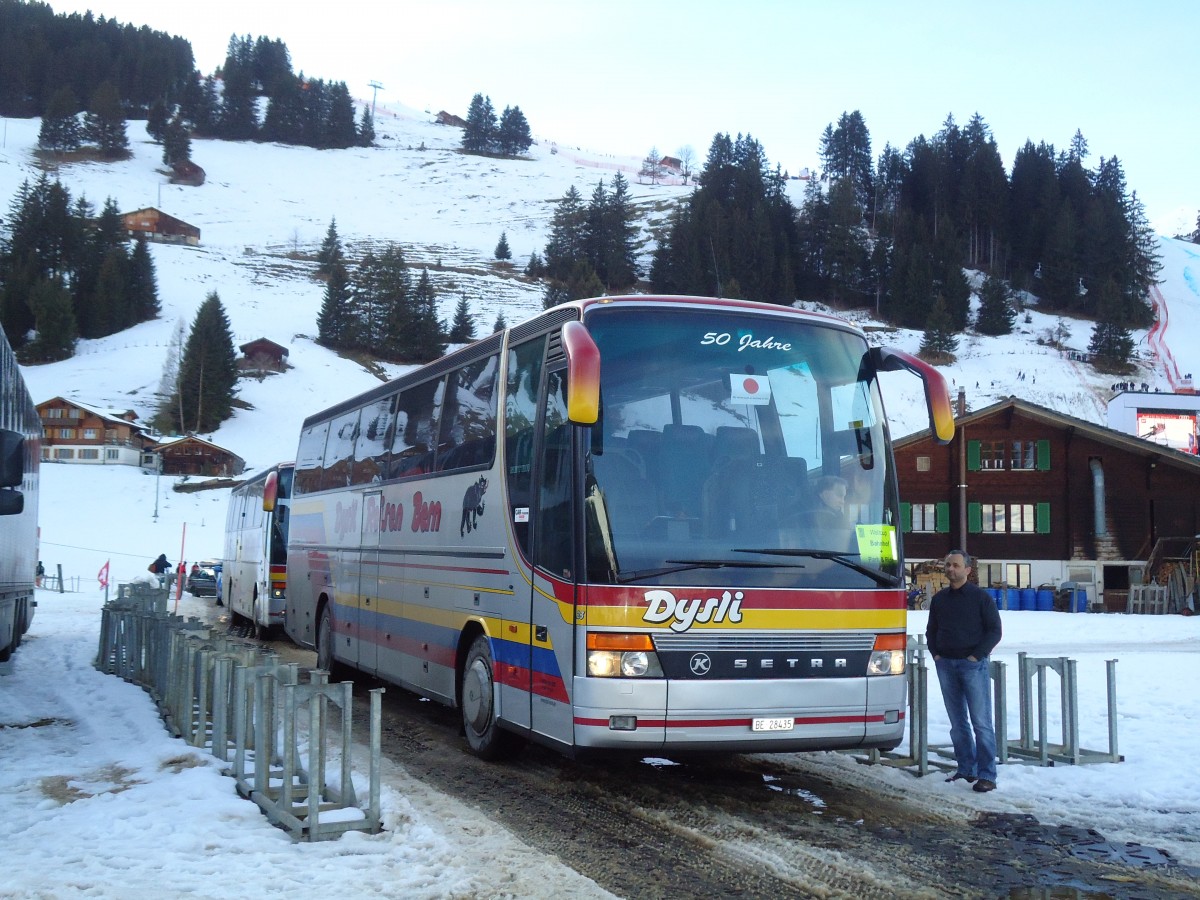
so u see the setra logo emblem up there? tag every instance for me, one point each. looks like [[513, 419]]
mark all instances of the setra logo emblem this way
[[700, 664]]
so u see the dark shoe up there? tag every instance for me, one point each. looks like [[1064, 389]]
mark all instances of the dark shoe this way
[[959, 776], [983, 786]]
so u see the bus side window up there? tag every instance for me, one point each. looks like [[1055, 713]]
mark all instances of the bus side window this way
[[374, 439], [520, 420], [467, 433], [309, 457], [416, 415]]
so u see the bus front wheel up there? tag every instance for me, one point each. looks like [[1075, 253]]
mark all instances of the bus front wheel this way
[[486, 739]]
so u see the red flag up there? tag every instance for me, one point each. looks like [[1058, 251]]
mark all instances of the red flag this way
[[102, 575]]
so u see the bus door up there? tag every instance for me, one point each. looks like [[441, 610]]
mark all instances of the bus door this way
[[553, 551], [370, 622]]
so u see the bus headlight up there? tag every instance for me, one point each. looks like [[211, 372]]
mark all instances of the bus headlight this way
[[888, 655], [886, 662], [612, 655]]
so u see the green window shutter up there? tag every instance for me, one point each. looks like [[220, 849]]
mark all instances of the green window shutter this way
[[943, 518], [1043, 456], [974, 518], [1043, 517], [906, 517], [973, 456]]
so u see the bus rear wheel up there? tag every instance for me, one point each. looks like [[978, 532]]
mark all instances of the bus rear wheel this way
[[325, 638], [485, 737]]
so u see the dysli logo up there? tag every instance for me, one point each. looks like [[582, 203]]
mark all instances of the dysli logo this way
[[662, 606]]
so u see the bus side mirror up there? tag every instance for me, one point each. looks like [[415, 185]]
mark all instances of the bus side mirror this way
[[12, 458], [937, 393], [12, 503], [271, 492], [583, 374]]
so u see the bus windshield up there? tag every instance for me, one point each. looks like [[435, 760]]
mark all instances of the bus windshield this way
[[737, 439]]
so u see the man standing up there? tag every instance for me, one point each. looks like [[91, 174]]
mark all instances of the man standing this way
[[964, 627]]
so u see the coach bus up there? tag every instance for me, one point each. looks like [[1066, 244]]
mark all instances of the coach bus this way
[[20, 454], [598, 530], [254, 570]]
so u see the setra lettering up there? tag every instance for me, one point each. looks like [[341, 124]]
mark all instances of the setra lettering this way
[[682, 613]]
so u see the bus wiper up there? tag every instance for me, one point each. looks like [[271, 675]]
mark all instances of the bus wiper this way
[[687, 565], [881, 578]]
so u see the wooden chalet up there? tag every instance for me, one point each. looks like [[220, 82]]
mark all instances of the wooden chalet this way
[[156, 225], [672, 164], [447, 118], [76, 433], [1041, 498], [191, 455], [262, 354]]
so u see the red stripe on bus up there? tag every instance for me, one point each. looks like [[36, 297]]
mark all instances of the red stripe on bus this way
[[732, 723], [755, 599]]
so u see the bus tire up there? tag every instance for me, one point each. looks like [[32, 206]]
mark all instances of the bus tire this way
[[261, 632], [325, 639], [485, 737]]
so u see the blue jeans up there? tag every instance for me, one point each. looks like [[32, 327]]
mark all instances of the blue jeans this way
[[967, 692]]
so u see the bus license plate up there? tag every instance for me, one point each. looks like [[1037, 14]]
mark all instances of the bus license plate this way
[[773, 724]]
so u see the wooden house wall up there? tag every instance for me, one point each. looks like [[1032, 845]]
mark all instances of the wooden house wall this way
[[1145, 497]]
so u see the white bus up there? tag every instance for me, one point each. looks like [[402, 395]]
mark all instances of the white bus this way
[[254, 570], [20, 455], [597, 530]]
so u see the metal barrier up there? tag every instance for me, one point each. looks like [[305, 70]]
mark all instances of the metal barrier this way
[[235, 699], [1028, 747]]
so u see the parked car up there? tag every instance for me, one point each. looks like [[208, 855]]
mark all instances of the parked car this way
[[203, 581]]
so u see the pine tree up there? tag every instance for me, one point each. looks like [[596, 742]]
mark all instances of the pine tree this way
[[566, 244], [1111, 345], [333, 321], [142, 284], [500, 324], [939, 343], [845, 153], [60, 130], [513, 136], [156, 120], [480, 132], [104, 123], [502, 252], [462, 330], [366, 128], [208, 372], [238, 119], [427, 337], [996, 311], [535, 268], [330, 255], [111, 301], [177, 145], [51, 304]]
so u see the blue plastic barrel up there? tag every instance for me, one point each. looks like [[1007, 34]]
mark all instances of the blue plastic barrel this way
[[1012, 598], [1045, 600], [1028, 599], [994, 593], [1081, 601]]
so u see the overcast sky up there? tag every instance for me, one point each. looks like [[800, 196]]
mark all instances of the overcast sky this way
[[624, 76]]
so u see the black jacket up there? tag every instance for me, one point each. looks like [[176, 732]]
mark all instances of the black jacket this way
[[963, 622]]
